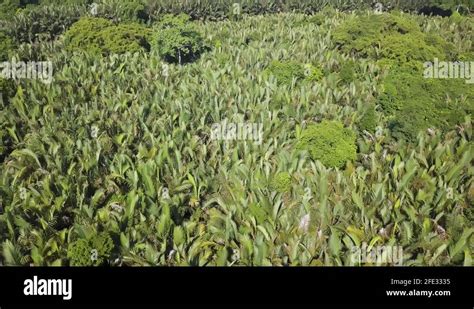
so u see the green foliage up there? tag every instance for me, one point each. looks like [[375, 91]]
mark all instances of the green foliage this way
[[316, 19], [6, 46], [450, 4], [125, 38], [412, 103], [429, 7], [470, 197], [219, 10], [40, 23], [7, 90], [177, 40], [94, 251], [8, 8], [86, 34], [415, 104], [101, 36], [313, 73], [133, 10], [393, 40], [456, 17], [7, 87], [330, 143], [112, 145], [285, 72], [122, 10], [65, 2], [348, 73], [282, 182], [368, 122]]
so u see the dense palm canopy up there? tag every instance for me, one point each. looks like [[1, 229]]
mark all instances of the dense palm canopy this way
[[112, 163]]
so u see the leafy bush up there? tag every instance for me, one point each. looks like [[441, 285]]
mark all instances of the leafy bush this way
[[177, 40], [456, 17], [313, 73], [285, 72], [392, 39], [86, 34], [7, 90], [282, 182], [347, 73], [6, 46], [368, 122], [125, 38], [94, 251], [101, 36], [330, 143], [412, 103], [415, 104]]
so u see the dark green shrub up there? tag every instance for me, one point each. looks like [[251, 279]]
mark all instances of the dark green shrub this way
[[415, 104], [347, 72], [368, 122], [101, 36], [285, 72], [6, 46], [125, 38], [177, 40], [282, 182], [94, 251], [7, 90], [412, 103], [330, 143], [392, 39], [86, 34]]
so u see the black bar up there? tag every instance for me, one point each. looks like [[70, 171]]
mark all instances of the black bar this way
[[318, 285]]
